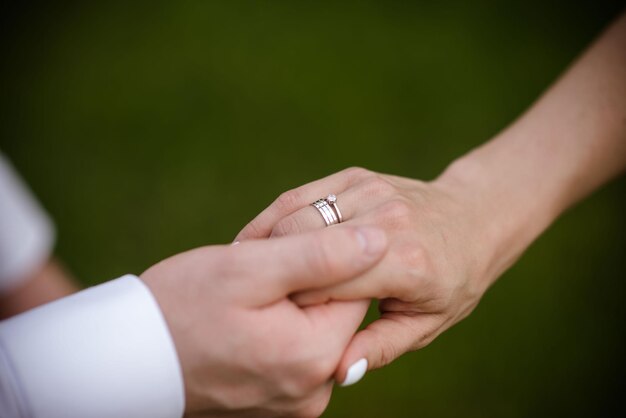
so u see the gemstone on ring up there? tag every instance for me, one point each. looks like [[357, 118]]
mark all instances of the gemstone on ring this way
[[332, 199]]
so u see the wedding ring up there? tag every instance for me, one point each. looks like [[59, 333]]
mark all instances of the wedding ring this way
[[322, 206], [327, 207], [332, 200]]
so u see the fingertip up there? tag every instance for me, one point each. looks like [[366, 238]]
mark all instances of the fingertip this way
[[244, 235], [254, 229], [351, 364], [354, 372]]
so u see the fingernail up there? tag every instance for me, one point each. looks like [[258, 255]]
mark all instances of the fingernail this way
[[235, 243], [355, 372], [372, 240]]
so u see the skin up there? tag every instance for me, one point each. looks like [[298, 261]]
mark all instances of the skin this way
[[245, 348], [46, 283], [451, 238], [448, 241]]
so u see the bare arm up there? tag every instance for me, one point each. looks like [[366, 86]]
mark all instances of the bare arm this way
[[451, 238], [564, 147]]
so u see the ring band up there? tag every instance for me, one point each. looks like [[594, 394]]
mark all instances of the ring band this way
[[332, 200], [327, 207], [321, 208], [330, 214]]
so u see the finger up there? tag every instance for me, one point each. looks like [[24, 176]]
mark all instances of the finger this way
[[268, 270], [337, 319], [295, 199], [382, 281], [353, 203], [383, 341]]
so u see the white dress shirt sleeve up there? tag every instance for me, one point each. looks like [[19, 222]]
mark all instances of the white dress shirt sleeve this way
[[26, 232], [104, 352]]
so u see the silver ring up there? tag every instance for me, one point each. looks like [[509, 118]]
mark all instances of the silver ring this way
[[329, 210], [332, 200], [322, 206], [319, 205], [331, 214]]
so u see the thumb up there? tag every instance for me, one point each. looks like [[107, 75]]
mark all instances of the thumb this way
[[380, 343], [278, 267]]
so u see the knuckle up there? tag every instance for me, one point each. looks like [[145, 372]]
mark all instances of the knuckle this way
[[315, 407], [321, 370], [376, 185], [310, 381], [356, 173], [286, 226], [395, 213], [420, 274], [305, 381], [252, 230], [415, 258], [294, 388], [288, 201], [310, 372], [398, 208], [387, 353]]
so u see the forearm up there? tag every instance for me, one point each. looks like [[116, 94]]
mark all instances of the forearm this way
[[449, 239], [564, 147]]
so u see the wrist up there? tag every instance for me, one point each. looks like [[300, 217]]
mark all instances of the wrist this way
[[502, 212]]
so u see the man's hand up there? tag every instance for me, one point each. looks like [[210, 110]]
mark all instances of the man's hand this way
[[244, 346]]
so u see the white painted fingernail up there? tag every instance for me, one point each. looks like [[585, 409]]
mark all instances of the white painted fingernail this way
[[235, 243], [355, 372]]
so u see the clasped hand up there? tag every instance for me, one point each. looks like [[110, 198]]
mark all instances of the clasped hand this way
[[262, 327], [432, 276], [243, 345]]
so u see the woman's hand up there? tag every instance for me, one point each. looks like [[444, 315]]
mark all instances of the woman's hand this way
[[451, 238], [440, 261]]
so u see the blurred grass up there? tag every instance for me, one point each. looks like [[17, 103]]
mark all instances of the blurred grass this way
[[151, 128]]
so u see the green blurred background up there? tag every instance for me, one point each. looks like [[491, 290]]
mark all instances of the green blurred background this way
[[150, 128]]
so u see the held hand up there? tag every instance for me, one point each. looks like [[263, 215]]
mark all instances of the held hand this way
[[451, 238], [437, 268], [244, 346]]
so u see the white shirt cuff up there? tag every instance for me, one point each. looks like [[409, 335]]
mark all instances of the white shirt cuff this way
[[104, 352]]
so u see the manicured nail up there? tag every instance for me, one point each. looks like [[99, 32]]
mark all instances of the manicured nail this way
[[355, 372], [372, 240], [235, 243]]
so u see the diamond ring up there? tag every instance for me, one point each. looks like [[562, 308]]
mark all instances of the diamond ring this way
[[329, 210]]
